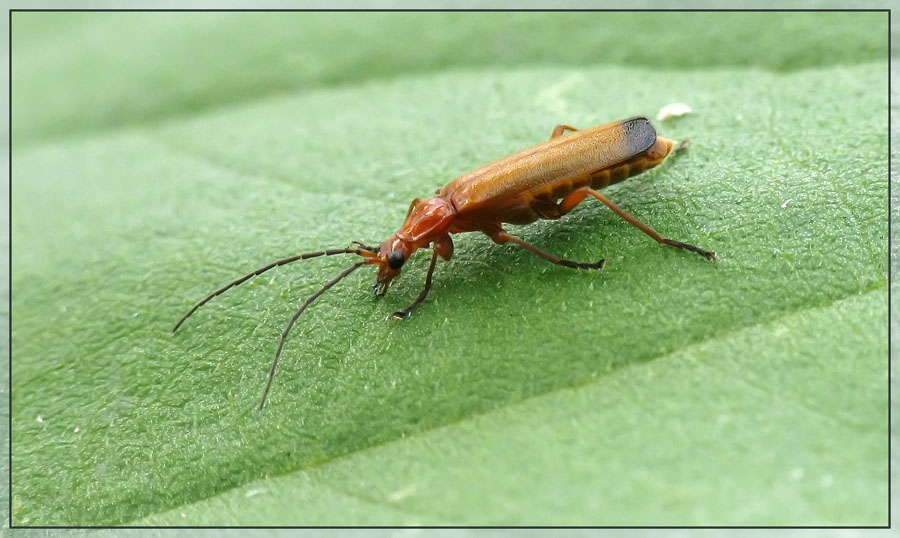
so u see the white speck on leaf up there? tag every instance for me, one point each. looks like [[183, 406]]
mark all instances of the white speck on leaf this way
[[784, 205], [674, 110]]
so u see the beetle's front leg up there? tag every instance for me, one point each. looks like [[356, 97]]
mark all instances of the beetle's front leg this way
[[363, 246], [405, 312]]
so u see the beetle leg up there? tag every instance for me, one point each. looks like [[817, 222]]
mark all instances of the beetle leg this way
[[546, 209], [559, 129], [405, 312], [499, 236], [681, 146], [577, 196], [363, 246]]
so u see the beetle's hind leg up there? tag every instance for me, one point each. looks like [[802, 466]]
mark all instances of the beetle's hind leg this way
[[576, 197], [681, 146], [499, 236], [560, 129]]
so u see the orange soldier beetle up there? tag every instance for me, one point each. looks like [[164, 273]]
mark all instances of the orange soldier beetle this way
[[518, 189]]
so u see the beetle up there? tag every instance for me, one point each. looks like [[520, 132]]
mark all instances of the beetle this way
[[545, 181]]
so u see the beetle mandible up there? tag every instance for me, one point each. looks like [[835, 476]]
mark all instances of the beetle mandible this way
[[545, 181]]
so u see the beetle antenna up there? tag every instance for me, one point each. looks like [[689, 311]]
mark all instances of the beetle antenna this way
[[361, 250], [296, 315]]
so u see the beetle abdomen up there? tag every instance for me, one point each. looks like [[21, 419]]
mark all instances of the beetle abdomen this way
[[632, 167]]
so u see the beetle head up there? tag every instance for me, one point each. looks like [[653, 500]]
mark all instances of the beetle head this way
[[394, 252], [426, 223]]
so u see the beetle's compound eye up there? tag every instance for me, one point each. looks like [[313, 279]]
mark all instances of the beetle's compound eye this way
[[396, 260]]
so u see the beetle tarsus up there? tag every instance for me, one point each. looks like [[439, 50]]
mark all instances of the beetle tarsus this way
[[582, 265], [709, 255]]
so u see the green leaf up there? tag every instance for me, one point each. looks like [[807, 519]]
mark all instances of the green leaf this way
[[153, 66], [594, 452], [663, 390]]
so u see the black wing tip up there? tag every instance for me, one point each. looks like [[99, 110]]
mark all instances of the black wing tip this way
[[639, 134]]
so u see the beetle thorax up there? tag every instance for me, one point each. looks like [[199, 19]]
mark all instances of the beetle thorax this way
[[428, 220]]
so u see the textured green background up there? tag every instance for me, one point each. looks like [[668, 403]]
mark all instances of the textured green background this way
[[158, 156]]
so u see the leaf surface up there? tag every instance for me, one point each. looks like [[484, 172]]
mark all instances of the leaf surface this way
[[663, 390]]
